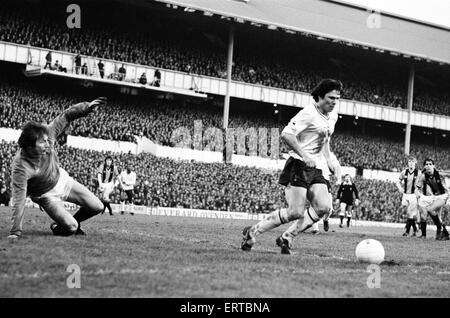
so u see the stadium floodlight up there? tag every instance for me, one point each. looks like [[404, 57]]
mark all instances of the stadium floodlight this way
[[272, 27], [256, 24], [289, 31], [189, 9], [240, 20], [208, 14]]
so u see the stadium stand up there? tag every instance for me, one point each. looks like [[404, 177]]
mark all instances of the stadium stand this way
[[285, 64], [129, 116]]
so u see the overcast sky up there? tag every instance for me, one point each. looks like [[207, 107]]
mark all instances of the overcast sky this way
[[434, 11]]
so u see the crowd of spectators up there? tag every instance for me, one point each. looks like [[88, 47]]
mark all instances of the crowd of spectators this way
[[128, 116], [213, 186], [164, 42]]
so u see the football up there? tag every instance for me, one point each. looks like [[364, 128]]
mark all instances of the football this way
[[370, 251]]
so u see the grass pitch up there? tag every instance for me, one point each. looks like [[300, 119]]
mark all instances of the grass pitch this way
[[147, 256]]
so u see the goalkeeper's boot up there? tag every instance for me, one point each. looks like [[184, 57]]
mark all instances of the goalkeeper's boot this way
[[284, 244], [248, 239]]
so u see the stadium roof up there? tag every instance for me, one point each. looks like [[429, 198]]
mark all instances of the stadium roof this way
[[336, 21]]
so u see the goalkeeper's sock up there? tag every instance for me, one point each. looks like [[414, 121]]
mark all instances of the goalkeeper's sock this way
[[84, 214], [60, 230]]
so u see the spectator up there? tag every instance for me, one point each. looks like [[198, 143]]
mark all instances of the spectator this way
[[122, 72], [157, 78], [77, 63], [84, 69], [143, 79], [101, 68], [48, 60], [59, 67]]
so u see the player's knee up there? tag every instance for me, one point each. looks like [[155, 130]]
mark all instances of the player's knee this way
[[295, 213], [97, 206], [322, 210]]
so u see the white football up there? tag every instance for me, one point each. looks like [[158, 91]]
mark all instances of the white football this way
[[370, 251]]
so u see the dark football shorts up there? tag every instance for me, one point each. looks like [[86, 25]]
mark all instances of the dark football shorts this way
[[296, 173]]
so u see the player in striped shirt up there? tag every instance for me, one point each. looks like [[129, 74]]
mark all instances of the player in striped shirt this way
[[36, 173], [304, 174], [407, 186], [107, 174]]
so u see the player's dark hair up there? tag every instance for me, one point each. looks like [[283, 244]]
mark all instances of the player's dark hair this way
[[108, 157], [325, 86], [428, 159], [31, 132]]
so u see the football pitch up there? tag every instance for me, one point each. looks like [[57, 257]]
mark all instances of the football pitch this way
[[149, 256]]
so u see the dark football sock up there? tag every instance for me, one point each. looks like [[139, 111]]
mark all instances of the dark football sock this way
[[413, 224], [408, 225], [423, 227], [84, 214], [342, 219], [437, 221], [348, 221], [107, 205], [60, 230]]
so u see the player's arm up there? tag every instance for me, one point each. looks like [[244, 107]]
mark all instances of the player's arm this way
[[419, 186], [99, 175], [339, 193], [19, 194], [332, 161], [355, 191], [289, 135], [398, 183], [62, 121]]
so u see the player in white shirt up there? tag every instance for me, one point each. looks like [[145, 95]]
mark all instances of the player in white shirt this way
[[305, 172], [127, 180], [107, 173], [297, 227]]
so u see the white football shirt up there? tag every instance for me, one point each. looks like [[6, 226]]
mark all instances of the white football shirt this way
[[312, 129], [129, 179]]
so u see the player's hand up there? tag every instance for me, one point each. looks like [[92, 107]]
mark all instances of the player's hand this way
[[402, 190], [357, 202], [100, 101], [337, 201], [309, 161]]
